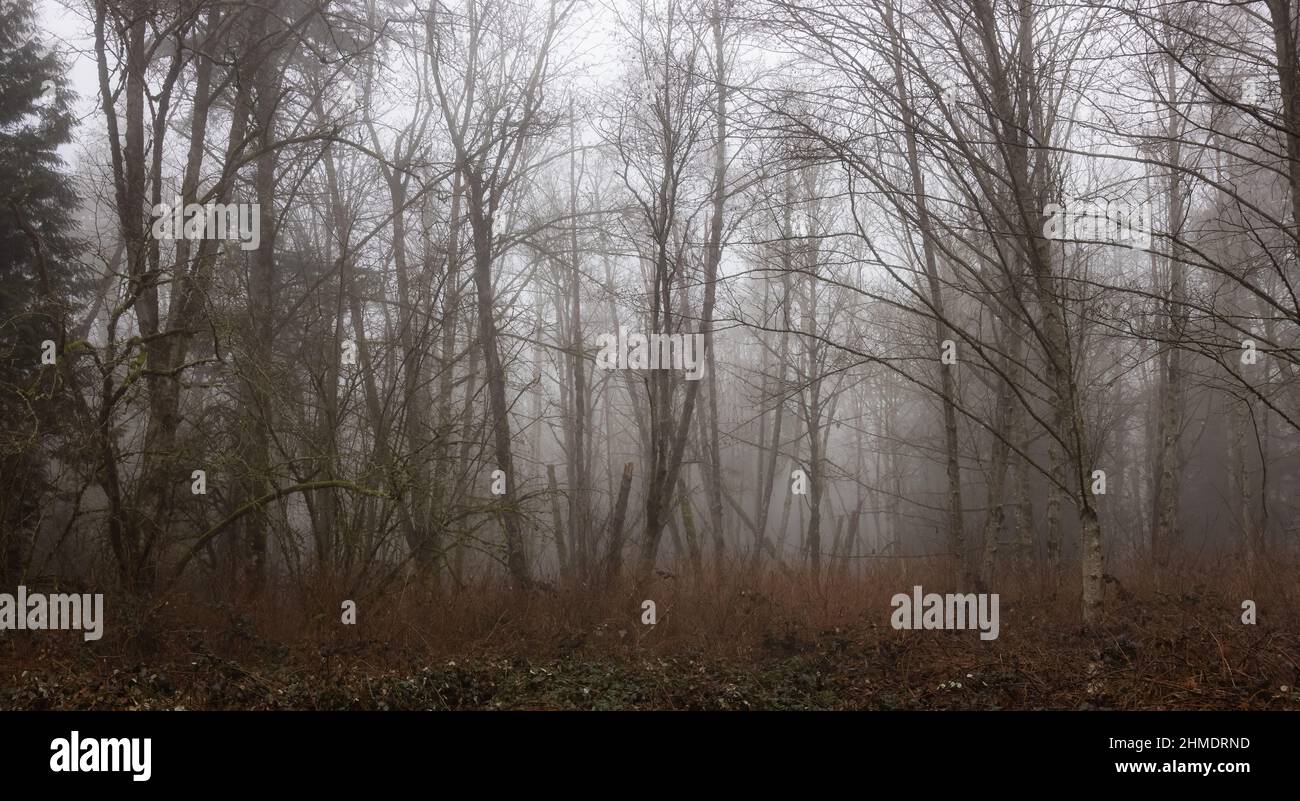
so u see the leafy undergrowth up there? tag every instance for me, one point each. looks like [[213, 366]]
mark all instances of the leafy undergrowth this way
[[748, 649]]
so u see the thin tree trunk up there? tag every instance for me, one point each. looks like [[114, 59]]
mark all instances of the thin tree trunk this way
[[614, 557], [947, 381]]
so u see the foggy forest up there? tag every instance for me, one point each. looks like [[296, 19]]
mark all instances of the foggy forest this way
[[614, 354]]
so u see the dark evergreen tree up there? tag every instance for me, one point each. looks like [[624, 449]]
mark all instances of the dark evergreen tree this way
[[40, 278]]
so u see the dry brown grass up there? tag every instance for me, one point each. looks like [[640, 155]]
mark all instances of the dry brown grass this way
[[731, 639]]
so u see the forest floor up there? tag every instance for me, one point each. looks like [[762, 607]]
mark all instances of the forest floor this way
[[773, 643]]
